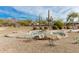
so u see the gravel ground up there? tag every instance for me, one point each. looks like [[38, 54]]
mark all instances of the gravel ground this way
[[20, 45]]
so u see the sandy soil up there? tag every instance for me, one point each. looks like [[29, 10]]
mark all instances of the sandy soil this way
[[36, 46]]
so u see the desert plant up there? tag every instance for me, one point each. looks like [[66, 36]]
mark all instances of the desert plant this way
[[71, 17], [76, 40], [24, 22], [58, 24]]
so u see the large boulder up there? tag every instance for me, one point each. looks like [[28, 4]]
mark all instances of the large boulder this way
[[39, 34]]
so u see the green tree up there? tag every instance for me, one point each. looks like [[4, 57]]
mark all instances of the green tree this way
[[71, 17], [58, 24]]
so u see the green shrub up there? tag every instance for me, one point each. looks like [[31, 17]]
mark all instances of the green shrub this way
[[58, 24]]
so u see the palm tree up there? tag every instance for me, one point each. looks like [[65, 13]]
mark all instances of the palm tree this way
[[71, 17]]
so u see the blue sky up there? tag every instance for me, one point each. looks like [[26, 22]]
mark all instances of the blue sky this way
[[32, 12]]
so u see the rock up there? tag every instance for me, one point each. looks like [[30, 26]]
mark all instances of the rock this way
[[8, 35], [53, 37]]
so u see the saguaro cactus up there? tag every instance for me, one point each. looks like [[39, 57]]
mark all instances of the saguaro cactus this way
[[49, 19]]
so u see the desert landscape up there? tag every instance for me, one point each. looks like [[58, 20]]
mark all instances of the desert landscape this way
[[43, 29], [13, 44]]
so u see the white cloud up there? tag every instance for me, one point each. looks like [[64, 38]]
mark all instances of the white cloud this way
[[56, 11]]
